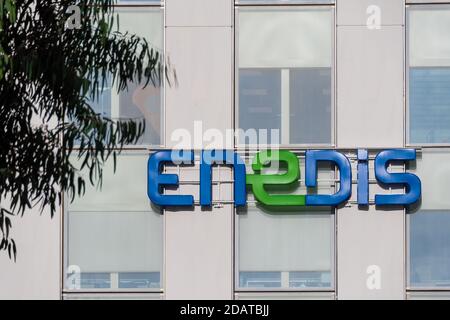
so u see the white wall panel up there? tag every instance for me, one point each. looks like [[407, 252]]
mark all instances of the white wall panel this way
[[359, 12], [199, 254], [370, 238], [202, 58], [429, 38], [199, 243], [370, 87], [37, 271], [193, 13]]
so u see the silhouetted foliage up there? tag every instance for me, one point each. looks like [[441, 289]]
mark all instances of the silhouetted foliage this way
[[49, 76]]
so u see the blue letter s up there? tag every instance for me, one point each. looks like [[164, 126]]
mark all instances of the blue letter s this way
[[411, 181]]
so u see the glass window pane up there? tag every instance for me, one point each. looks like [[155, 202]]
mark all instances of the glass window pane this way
[[430, 248], [130, 280], [429, 39], [95, 280], [260, 102], [138, 102], [429, 223], [260, 279], [114, 235], [285, 249], [429, 105], [131, 171], [102, 104], [310, 114], [267, 37], [286, 85]]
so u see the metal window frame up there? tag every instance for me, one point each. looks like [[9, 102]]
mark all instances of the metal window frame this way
[[408, 287], [133, 149], [332, 290], [410, 290], [239, 290], [151, 6], [295, 148], [278, 6]]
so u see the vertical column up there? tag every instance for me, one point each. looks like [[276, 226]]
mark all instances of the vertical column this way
[[199, 241], [370, 73], [370, 105]]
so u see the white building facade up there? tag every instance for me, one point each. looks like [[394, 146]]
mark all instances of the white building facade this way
[[321, 74]]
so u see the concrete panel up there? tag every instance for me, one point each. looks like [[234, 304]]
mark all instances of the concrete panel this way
[[370, 243], [370, 87], [199, 248], [37, 272], [203, 60], [199, 13], [360, 12]]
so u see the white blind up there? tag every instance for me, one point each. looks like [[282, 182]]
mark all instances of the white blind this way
[[284, 242], [433, 170], [285, 38], [144, 22], [115, 241], [116, 229], [429, 37], [126, 190]]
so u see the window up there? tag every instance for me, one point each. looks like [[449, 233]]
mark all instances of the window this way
[[114, 235], [429, 224], [141, 1], [429, 74], [283, 1], [138, 103], [285, 74], [286, 248]]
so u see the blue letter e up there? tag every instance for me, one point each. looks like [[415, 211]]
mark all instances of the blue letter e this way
[[156, 180]]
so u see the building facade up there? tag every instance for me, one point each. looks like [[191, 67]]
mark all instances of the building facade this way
[[314, 74]]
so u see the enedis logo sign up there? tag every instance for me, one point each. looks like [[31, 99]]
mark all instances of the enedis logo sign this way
[[259, 181]]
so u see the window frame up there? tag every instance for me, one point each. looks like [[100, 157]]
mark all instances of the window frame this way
[[151, 6], [407, 123], [130, 149], [236, 247], [410, 289], [98, 291], [265, 5]]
